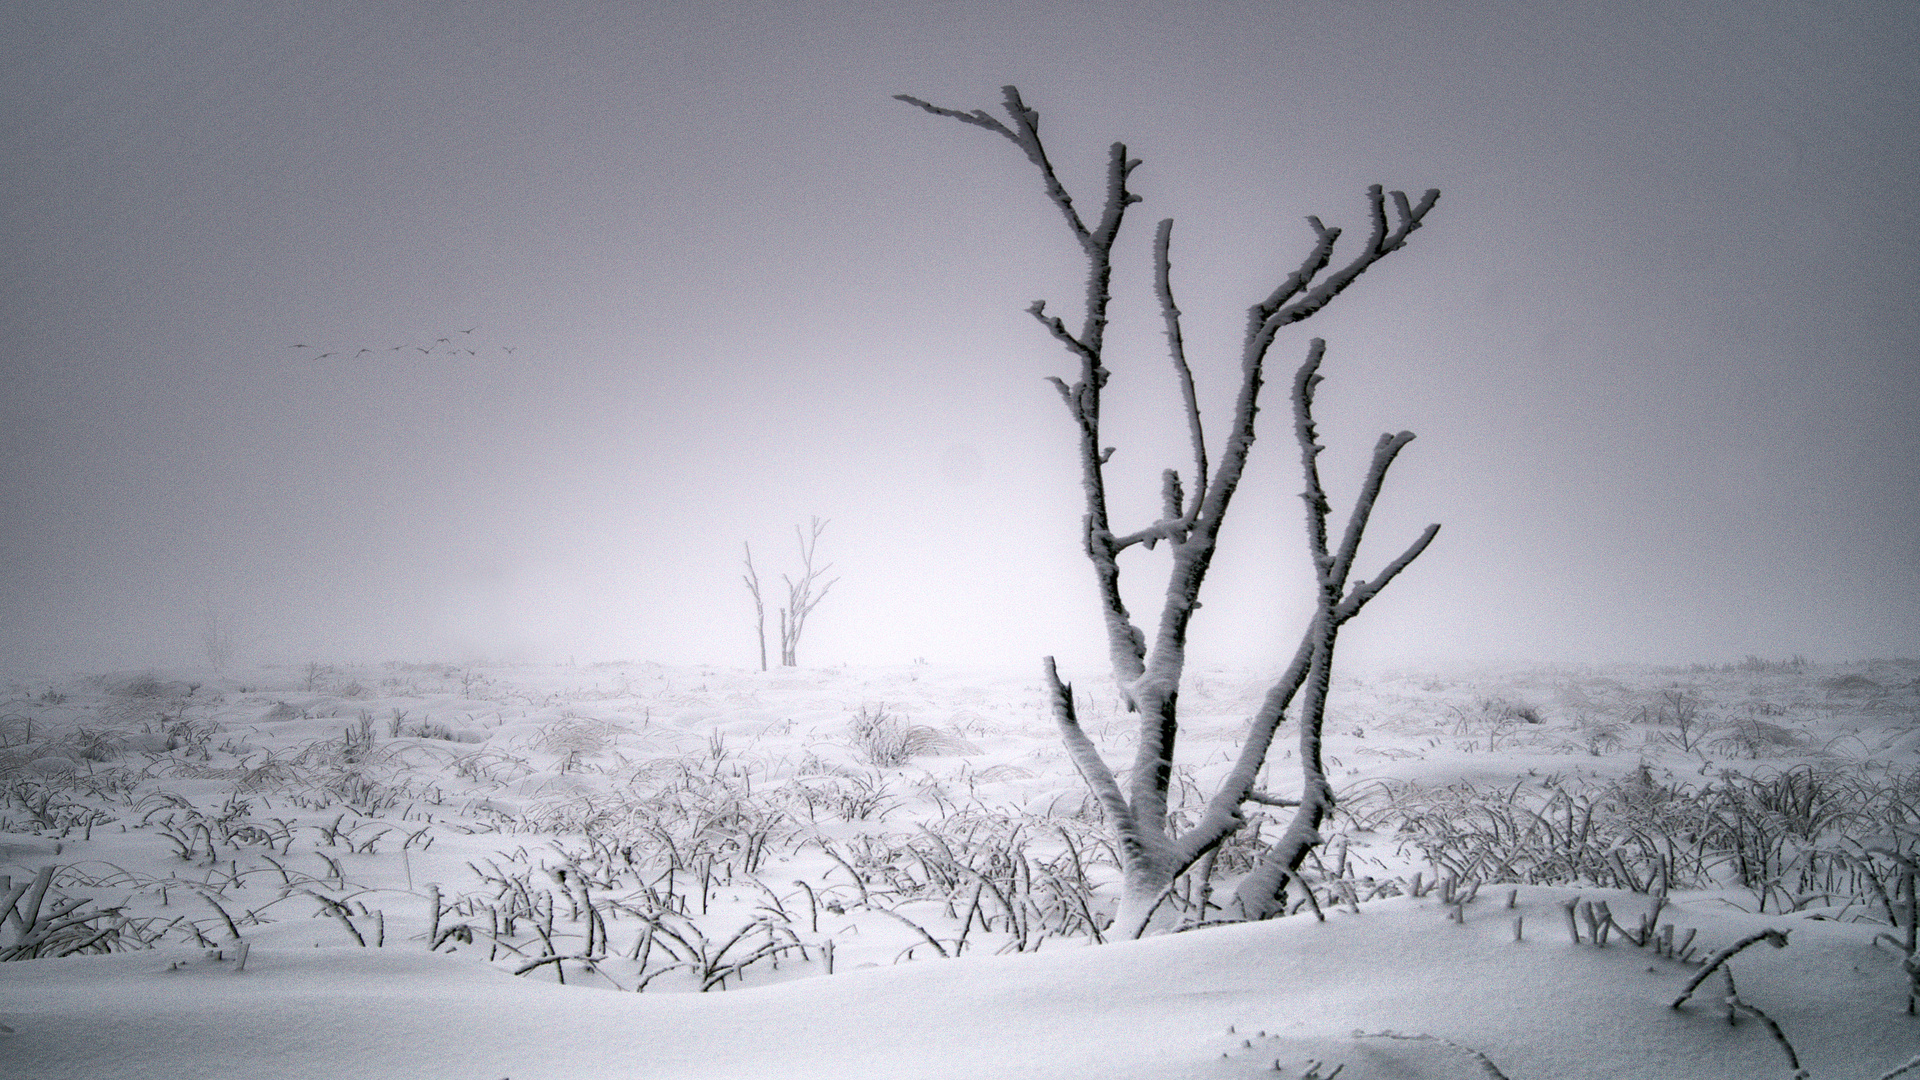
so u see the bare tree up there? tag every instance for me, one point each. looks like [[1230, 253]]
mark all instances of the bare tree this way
[[800, 595], [1152, 856], [752, 578], [801, 598], [217, 642]]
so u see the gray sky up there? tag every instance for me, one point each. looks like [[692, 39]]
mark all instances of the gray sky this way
[[1658, 341]]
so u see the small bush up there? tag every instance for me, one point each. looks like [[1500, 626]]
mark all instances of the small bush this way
[[145, 685], [1849, 684], [887, 741], [1756, 738]]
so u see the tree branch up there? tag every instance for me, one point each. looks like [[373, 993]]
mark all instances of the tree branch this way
[[978, 117], [1126, 644], [800, 598], [1305, 381], [1380, 245], [1296, 282], [1165, 529], [1027, 138], [752, 578], [1119, 167], [1176, 348], [1258, 891], [1266, 319], [1085, 756], [1384, 452], [1038, 309], [1222, 816], [1366, 590]]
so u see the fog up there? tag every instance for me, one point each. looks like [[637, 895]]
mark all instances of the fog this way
[[1658, 340]]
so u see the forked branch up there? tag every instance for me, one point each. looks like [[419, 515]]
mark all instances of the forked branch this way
[[1295, 300], [1260, 892]]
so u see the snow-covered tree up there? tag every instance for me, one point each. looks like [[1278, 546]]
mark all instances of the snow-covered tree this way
[[801, 599], [1148, 674]]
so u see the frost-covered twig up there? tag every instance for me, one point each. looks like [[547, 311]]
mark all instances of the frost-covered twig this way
[[917, 928], [1793, 1059], [1776, 938]]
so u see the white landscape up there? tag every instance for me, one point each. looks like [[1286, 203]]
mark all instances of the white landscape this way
[[389, 361], [244, 871]]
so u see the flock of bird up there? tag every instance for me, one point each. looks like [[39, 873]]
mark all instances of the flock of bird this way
[[457, 343]]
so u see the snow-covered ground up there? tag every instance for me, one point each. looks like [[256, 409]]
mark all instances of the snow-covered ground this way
[[337, 872]]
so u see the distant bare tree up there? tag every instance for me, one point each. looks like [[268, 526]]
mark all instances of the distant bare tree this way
[[1152, 856], [801, 598], [216, 638], [752, 578]]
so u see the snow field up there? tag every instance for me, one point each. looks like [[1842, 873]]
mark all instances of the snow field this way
[[391, 845]]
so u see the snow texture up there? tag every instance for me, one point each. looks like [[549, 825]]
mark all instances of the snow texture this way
[[1295, 997]]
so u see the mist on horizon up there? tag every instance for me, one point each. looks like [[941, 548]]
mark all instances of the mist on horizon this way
[[493, 332]]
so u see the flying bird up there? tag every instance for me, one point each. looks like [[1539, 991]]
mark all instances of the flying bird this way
[[299, 346], [469, 329], [362, 352], [507, 348], [323, 356]]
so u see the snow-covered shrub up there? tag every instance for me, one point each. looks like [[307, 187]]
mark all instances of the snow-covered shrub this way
[[888, 741]]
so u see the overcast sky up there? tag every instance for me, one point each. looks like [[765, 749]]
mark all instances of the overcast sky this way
[[1659, 341]]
